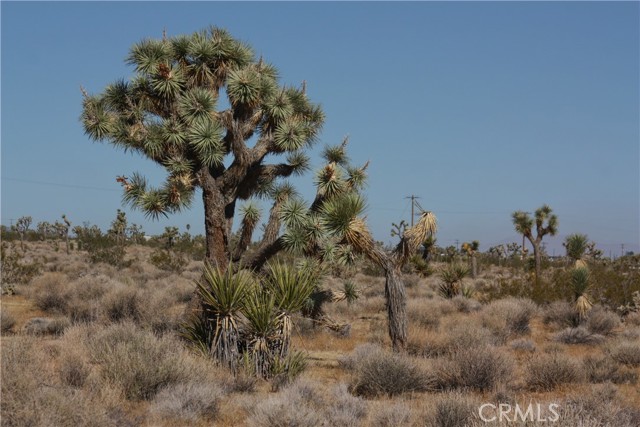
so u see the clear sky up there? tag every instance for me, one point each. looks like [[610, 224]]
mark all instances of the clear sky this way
[[480, 109]]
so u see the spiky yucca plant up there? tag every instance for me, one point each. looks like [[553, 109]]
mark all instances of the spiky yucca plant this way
[[576, 246], [290, 288], [223, 295], [452, 277], [580, 286], [263, 330]]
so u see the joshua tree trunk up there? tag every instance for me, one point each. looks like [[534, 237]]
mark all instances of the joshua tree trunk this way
[[538, 259], [215, 223], [396, 297], [474, 266]]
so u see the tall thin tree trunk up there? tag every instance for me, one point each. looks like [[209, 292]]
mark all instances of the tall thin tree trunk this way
[[474, 266], [215, 222], [538, 259], [396, 300]]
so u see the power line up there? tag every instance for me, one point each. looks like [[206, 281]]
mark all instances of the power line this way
[[57, 184]]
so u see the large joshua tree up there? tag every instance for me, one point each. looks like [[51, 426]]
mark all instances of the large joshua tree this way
[[169, 112], [523, 224]]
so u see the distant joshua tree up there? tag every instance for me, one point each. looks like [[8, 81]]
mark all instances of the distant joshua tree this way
[[576, 247], [524, 225], [22, 226], [471, 249]]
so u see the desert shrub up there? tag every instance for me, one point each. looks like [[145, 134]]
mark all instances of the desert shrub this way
[[602, 321], [423, 313], [625, 352], [523, 345], [480, 368], [454, 410], [344, 410], [410, 280], [395, 415], [73, 369], [169, 260], [187, 402], [378, 372], [7, 321], [454, 335], [285, 370], [599, 407], [28, 384], [464, 304], [135, 360], [46, 326], [579, 335], [50, 292], [508, 317], [292, 407], [123, 303], [601, 369], [14, 268], [551, 370], [560, 314]]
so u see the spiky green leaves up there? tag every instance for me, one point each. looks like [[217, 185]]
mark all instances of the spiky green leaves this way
[[206, 137], [580, 286], [576, 245], [225, 293], [243, 87], [338, 214], [98, 122], [196, 105], [522, 222], [290, 287], [146, 55]]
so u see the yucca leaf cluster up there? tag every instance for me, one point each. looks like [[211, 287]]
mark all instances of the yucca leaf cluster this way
[[171, 113], [250, 313]]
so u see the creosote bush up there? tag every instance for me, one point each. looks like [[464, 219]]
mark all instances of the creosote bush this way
[[477, 368], [378, 372], [548, 371]]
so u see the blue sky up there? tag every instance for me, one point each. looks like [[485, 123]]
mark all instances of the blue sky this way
[[478, 108]]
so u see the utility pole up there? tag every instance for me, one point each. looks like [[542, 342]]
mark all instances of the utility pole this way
[[457, 241], [413, 203]]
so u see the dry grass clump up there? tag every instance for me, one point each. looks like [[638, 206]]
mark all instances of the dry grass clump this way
[[579, 335], [292, 407], [455, 333], [379, 372], [523, 344], [46, 326], [560, 314], [7, 321], [344, 409], [548, 371], [602, 321], [599, 407], [508, 317], [188, 402], [602, 369], [136, 361], [465, 305], [32, 397], [427, 313], [454, 410], [625, 352], [480, 368], [50, 292], [387, 415]]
